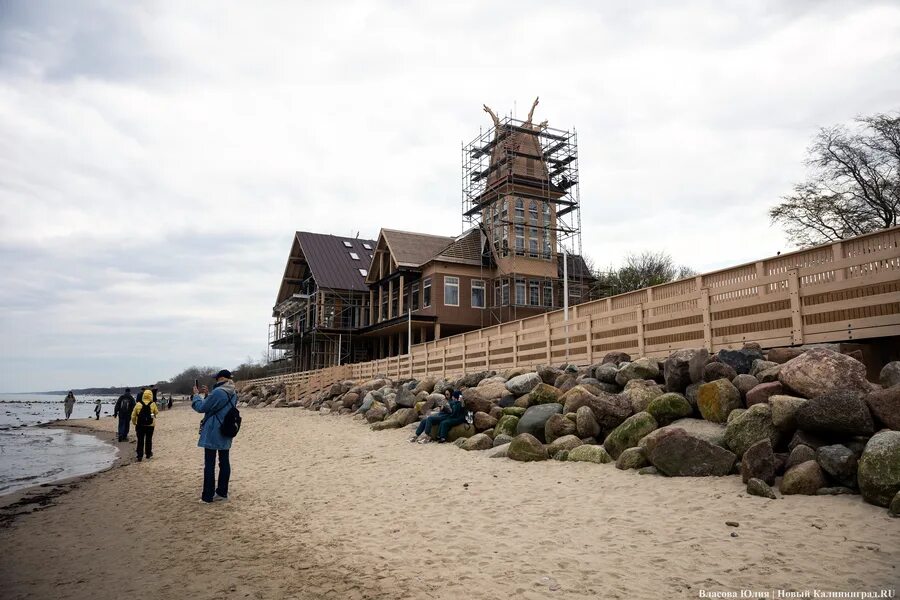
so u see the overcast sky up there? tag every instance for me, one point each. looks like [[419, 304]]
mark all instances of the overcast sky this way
[[155, 158]]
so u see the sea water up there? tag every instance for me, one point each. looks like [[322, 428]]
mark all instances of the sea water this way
[[32, 455]]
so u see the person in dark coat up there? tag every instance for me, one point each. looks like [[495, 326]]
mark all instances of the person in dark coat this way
[[124, 407], [452, 414]]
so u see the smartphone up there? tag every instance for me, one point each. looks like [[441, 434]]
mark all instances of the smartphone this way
[[197, 383]]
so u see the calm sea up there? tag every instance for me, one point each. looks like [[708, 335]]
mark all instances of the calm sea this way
[[33, 455]]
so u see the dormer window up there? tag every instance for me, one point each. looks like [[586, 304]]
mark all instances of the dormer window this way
[[354, 256], [367, 246], [348, 244], [363, 272]]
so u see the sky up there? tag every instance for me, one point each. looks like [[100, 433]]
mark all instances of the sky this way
[[156, 157]]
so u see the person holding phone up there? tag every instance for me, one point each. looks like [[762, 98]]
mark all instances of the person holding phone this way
[[453, 413], [214, 406]]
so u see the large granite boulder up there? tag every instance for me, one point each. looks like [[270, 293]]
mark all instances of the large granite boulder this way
[[404, 416], [839, 462], [484, 421], [839, 412], [377, 413], [544, 394], [523, 384], [806, 479], [616, 358], [502, 438], [606, 373], [639, 393], [879, 468], [470, 379], [577, 397], [557, 426], [425, 385], [368, 401], [586, 423], [479, 441], [761, 393], [548, 374], [800, 454], [527, 448], [535, 419], [566, 442], [890, 374], [684, 367], [587, 453], [405, 398], [751, 426], [784, 411], [885, 405], [819, 371], [740, 360], [629, 433], [463, 430], [744, 383], [669, 407], [632, 458], [717, 399], [642, 368], [482, 397], [758, 487], [714, 433], [676, 453], [783, 355], [758, 462], [718, 370]]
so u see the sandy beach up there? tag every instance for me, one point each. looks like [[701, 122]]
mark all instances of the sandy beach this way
[[323, 507]]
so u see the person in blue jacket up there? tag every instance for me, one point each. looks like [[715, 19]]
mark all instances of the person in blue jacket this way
[[452, 414], [214, 406]]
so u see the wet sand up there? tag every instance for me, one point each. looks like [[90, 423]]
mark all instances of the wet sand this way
[[322, 507]]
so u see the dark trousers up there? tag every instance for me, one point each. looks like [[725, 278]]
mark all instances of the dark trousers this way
[[444, 422], [144, 440], [124, 426], [209, 474]]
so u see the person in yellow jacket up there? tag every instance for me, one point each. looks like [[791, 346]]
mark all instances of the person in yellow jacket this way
[[144, 419]]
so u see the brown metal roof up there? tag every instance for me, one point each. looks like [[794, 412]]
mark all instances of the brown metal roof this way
[[466, 249], [414, 249], [329, 260]]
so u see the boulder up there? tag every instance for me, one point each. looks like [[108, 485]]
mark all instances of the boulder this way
[[676, 453], [367, 403], [404, 416], [639, 393], [806, 479], [544, 394], [718, 370], [784, 411], [479, 441], [885, 405], [616, 358], [548, 374], [820, 371], [496, 413], [577, 397], [405, 398], [839, 462], [566, 442], [717, 399], [744, 383], [349, 399], [758, 487], [516, 411], [651, 470], [740, 360], [606, 373], [838, 490], [565, 382], [500, 451], [758, 462], [684, 367], [783, 355], [470, 380], [806, 439], [692, 394], [522, 384], [669, 407], [377, 413], [426, 385], [632, 458], [527, 448], [890, 374], [483, 421], [839, 412], [482, 397], [535, 419], [761, 393], [878, 474], [463, 430], [894, 508], [507, 400], [751, 426], [501, 438], [760, 366], [585, 423], [557, 426], [386, 424], [714, 433], [629, 433], [585, 453], [642, 368]]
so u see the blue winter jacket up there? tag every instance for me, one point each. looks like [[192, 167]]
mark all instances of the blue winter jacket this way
[[215, 406]]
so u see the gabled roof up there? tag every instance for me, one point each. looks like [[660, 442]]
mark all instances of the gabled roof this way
[[414, 249], [467, 248]]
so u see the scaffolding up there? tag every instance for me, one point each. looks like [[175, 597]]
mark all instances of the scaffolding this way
[[520, 185]]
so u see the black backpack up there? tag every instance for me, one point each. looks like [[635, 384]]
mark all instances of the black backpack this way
[[231, 424], [145, 417]]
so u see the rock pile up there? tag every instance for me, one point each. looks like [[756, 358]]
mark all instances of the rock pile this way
[[801, 421]]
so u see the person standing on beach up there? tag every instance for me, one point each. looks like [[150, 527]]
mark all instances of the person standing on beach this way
[[215, 406], [97, 407], [144, 419], [123, 409], [69, 404]]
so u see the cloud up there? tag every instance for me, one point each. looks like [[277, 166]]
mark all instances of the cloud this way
[[156, 158]]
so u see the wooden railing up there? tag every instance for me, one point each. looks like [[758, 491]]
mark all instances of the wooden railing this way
[[847, 290]]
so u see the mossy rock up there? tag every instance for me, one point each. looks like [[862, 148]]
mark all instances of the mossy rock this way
[[527, 448], [543, 393], [586, 453], [516, 411], [669, 407], [632, 458], [507, 425], [629, 433], [879, 468]]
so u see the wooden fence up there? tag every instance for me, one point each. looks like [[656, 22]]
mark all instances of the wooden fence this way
[[847, 290]]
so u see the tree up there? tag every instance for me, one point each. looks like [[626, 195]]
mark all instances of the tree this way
[[853, 187], [639, 271]]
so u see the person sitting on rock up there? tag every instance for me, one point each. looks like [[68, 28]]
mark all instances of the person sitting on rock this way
[[453, 413]]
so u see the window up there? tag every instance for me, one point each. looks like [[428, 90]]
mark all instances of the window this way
[[534, 293], [384, 305], [533, 241], [504, 294], [545, 239], [520, 210], [533, 213], [520, 239], [367, 246], [451, 291], [426, 292], [354, 256], [478, 293], [363, 272], [414, 300], [520, 291], [348, 245], [548, 293], [496, 292]]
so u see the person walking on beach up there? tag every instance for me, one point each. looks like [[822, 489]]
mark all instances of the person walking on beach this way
[[97, 407], [452, 414], [144, 419], [69, 404], [215, 406], [123, 409]]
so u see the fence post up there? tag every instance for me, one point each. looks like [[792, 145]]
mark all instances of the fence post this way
[[796, 307], [761, 288], [707, 324], [838, 256], [640, 328]]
